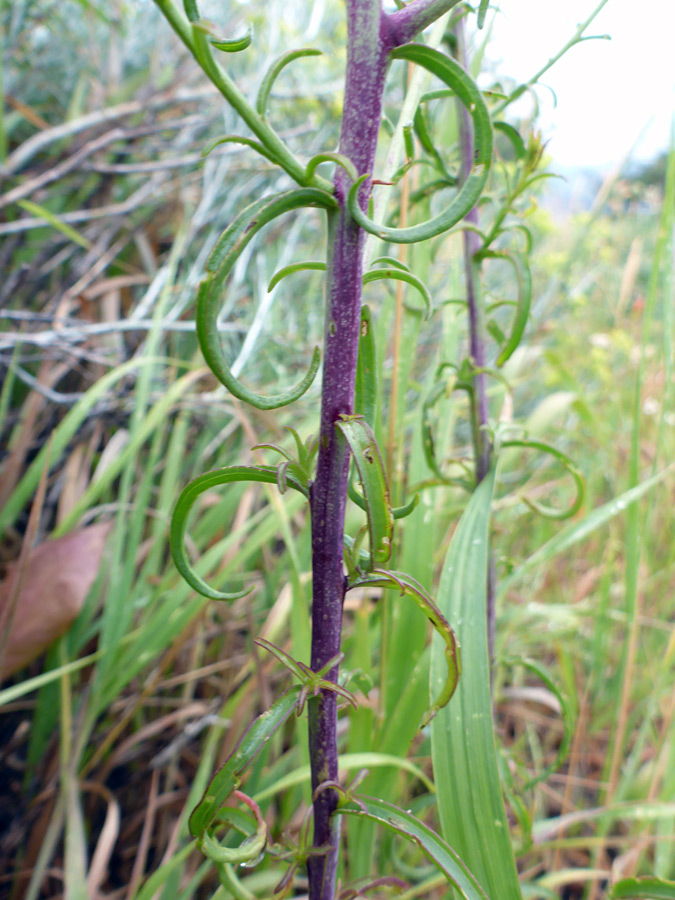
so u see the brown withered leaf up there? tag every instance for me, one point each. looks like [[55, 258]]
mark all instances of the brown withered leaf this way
[[58, 576]]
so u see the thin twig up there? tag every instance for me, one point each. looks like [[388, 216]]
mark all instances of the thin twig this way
[[83, 332]]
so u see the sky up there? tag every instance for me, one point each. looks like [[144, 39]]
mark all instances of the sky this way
[[613, 97]]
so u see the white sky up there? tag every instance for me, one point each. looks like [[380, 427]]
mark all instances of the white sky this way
[[611, 94]]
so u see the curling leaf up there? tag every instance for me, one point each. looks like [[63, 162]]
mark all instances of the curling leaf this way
[[565, 711], [249, 849], [407, 585], [273, 73], [234, 45], [398, 274], [227, 778], [441, 854], [238, 139], [513, 136], [366, 454], [310, 265], [548, 511], [524, 280], [187, 498], [329, 156], [220, 262], [456, 78]]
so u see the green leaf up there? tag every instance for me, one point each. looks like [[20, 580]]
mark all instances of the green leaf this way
[[273, 73], [514, 137], [310, 265], [366, 454], [348, 762], [185, 502], [463, 747], [482, 12], [365, 391], [398, 274], [642, 889], [434, 847], [250, 848], [548, 511], [390, 261], [66, 230], [233, 45], [238, 139], [524, 281], [330, 156], [223, 256], [468, 93], [226, 779], [191, 10], [407, 585], [566, 714]]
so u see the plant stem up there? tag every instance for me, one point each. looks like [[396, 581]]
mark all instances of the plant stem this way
[[237, 100], [368, 46], [477, 335], [472, 244], [405, 23]]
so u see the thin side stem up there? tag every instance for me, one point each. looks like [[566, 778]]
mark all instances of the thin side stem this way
[[472, 244], [477, 330], [576, 38], [368, 46], [407, 22]]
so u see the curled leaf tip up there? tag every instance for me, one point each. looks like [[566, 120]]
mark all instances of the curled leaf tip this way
[[273, 73], [187, 499], [456, 78]]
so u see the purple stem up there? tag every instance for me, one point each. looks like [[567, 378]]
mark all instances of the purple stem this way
[[477, 342], [369, 43], [477, 339]]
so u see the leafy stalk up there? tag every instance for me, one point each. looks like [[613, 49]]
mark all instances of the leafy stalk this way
[[368, 47], [374, 37]]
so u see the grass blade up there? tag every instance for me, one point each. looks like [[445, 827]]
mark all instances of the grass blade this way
[[464, 755]]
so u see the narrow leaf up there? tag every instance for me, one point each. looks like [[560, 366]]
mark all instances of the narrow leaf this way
[[273, 73], [366, 454], [514, 137], [643, 889], [548, 511], [185, 502], [524, 282], [226, 779], [308, 265], [398, 274], [365, 393], [579, 531], [407, 585], [220, 262], [455, 77], [482, 12], [434, 847]]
